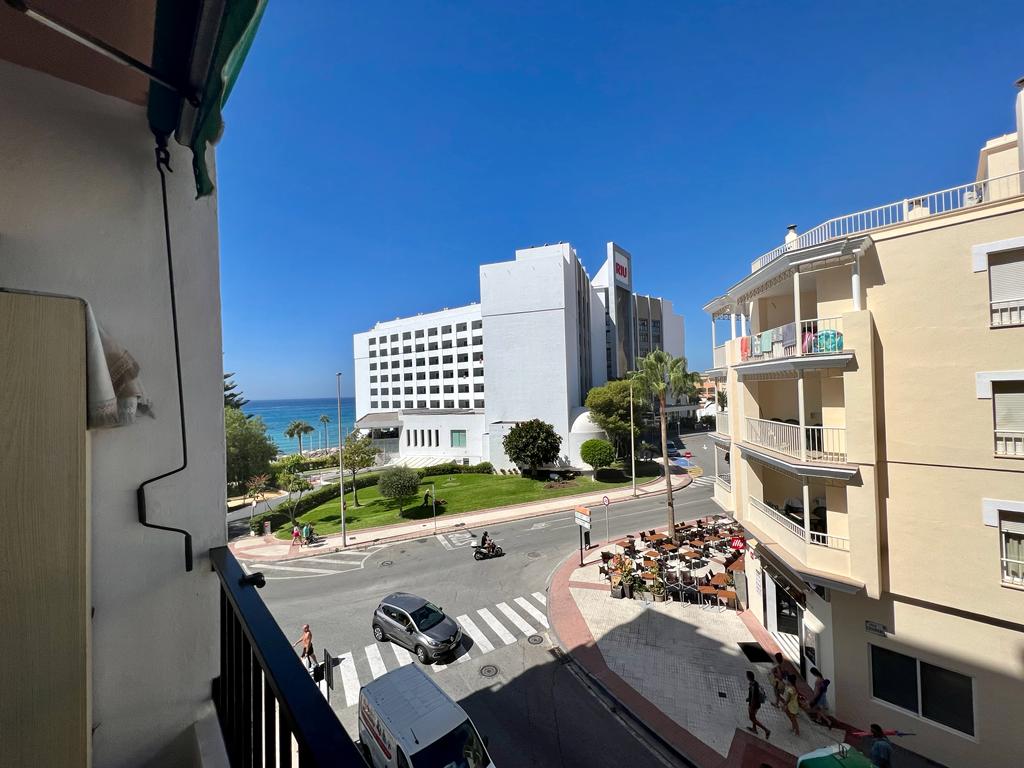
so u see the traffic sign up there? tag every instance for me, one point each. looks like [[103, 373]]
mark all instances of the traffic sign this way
[[605, 500], [582, 517]]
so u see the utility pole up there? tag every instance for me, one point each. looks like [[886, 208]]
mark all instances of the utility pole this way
[[632, 440], [341, 466]]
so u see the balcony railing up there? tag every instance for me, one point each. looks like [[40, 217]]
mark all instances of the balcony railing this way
[[718, 354], [820, 336], [1009, 443], [267, 703], [725, 481], [790, 525], [1013, 571], [821, 444], [830, 541], [722, 422], [906, 210], [1007, 313]]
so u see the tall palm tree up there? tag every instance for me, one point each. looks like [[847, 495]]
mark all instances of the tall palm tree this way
[[659, 377], [325, 420], [298, 429]]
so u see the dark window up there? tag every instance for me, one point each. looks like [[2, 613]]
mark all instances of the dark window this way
[[463, 357], [447, 359], [478, 324], [894, 677], [373, 341], [373, 353], [421, 403], [431, 331], [478, 340], [419, 334], [421, 375], [373, 391], [460, 327], [461, 343], [394, 350], [463, 403], [421, 390], [407, 335], [407, 377], [448, 374], [373, 366], [382, 339], [435, 390], [384, 391], [463, 389], [478, 403], [947, 697], [432, 346], [449, 389], [449, 403], [407, 363], [408, 390], [373, 379], [463, 373], [446, 344], [408, 403], [435, 374], [446, 329], [478, 357], [421, 361], [373, 403], [394, 337], [420, 347], [478, 387], [407, 349], [432, 361], [478, 371], [383, 353], [435, 403]]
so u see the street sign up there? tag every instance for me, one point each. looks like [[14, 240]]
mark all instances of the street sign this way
[[583, 517], [605, 500]]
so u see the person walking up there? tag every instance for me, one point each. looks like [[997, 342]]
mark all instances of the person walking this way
[[791, 703], [296, 536], [308, 653], [817, 707], [778, 675], [881, 749], [755, 698], [305, 534]]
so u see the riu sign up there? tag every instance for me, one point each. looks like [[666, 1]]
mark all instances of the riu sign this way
[[622, 270]]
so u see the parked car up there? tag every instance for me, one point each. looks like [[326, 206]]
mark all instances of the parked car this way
[[673, 451], [417, 624]]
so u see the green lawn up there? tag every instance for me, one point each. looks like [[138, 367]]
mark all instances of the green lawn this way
[[462, 493]]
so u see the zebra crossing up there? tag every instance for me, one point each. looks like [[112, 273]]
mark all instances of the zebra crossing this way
[[486, 629], [704, 480], [317, 565]]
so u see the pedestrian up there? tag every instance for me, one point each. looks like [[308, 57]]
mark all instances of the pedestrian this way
[[817, 707], [305, 534], [306, 638], [296, 536], [881, 750], [755, 698], [778, 674], [791, 703]]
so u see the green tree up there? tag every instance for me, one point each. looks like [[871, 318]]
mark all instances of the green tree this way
[[256, 488], [359, 453], [609, 408], [232, 399], [295, 483], [249, 448], [325, 420], [660, 376], [298, 429], [597, 453], [400, 484], [532, 443]]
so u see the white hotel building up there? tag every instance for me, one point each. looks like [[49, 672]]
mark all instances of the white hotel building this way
[[448, 385]]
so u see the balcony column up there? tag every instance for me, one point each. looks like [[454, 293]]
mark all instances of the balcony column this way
[[743, 325], [713, 342], [807, 511], [796, 315], [800, 416], [732, 323], [855, 283]]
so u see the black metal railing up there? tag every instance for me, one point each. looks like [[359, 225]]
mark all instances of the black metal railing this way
[[264, 696]]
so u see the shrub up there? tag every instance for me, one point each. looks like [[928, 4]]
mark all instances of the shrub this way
[[597, 453], [451, 468], [610, 475], [400, 484]]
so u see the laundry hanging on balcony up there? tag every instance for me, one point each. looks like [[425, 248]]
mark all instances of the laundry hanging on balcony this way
[[115, 396]]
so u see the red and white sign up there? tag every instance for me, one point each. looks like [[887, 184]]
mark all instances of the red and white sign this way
[[737, 542], [620, 262]]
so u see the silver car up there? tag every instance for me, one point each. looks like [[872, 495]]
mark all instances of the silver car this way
[[416, 624]]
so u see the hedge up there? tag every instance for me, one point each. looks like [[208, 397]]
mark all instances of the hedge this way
[[483, 468]]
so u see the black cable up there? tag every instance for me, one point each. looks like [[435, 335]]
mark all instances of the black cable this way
[[163, 163]]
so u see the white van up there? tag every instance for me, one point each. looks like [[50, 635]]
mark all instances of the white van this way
[[407, 721]]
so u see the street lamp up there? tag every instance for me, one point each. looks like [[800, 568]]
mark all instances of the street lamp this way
[[341, 465]]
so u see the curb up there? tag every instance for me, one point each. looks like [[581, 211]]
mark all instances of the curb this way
[[453, 526]]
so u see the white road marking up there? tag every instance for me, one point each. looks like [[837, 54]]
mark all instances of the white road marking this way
[[444, 541], [439, 667], [525, 605], [478, 638], [463, 654], [293, 568], [540, 598], [516, 619], [403, 656], [349, 679], [336, 562], [377, 666], [503, 634]]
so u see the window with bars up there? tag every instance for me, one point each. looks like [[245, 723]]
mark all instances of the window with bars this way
[[1011, 547], [1008, 417]]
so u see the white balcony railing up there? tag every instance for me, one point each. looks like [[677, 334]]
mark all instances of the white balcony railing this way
[[1009, 443], [719, 356], [820, 336], [830, 541], [1007, 313], [725, 481], [722, 422], [906, 210], [1013, 571], [790, 525], [825, 445]]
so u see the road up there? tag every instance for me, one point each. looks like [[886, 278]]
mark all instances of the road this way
[[535, 710]]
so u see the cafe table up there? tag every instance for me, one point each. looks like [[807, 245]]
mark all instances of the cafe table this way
[[706, 592], [668, 547], [720, 580], [727, 595]]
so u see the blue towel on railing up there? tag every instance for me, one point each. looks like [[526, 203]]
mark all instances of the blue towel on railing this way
[[789, 335], [766, 342]]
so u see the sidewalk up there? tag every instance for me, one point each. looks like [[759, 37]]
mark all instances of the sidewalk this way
[[269, 548], [677, 668]]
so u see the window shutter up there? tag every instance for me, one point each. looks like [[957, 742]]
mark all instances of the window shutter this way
[[1006, 276], [1009, 405], [1012, 523]]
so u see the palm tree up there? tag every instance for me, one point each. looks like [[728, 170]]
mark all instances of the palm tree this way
[[298, 429], [325, 420], [659, 376]]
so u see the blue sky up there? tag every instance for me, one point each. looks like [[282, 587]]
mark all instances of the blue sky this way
[[375, 154]]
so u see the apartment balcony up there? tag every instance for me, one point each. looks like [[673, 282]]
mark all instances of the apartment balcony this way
[[808, 344], [1007, 313], [820, 551], [723, 492], [719, 356], [814, 445], [904, 211], [722, 422], [270, 710]]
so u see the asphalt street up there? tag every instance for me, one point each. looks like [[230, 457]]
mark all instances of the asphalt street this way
[[508, 676]]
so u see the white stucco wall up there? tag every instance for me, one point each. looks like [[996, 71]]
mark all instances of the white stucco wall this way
[[80, 214], [412, 439]]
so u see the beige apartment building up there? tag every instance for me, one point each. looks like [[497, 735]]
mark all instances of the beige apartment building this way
[[875, 443]]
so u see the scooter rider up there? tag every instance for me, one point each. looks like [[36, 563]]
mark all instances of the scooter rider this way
[[486, 542]]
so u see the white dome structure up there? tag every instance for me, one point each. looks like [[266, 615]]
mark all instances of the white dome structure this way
[[583, 428]]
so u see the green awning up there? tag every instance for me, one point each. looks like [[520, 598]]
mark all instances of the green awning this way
[[203, 43]]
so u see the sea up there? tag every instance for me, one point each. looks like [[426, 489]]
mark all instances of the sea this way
[[278, 414]]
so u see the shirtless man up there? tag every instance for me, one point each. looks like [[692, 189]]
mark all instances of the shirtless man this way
[[307, 646]]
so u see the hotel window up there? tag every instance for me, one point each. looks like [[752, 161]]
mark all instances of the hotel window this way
[[929, 691], [478, 340], [373, 341], [430, 433], [415, 438], [407, 363], [408, 390], [435, 390], [373, 366], [432, 346], [447, 359], [478, 357], [421, 361], [431, 331], [449, 389], [420, 348], [478, 387], [446, 344], [1006, 288], [437, 438], [463, 373], [463, 389], [458, 438], [463, 403], [394, 337], [408, 437], [407, 335], [421, 403], [408, 403], [446, 329], [463, 357], [373, 391], [373, 403], [394, 350], [478, 371], [419, 334], [447, 374], [373, 353], [382, 339], [421, 375], [449, 403], [478, 324], [383, 353], [478, 403], [1008, 408], [407, 349], [373, 379], [435, 403], [421, 390], [461, 343], [460, 327], [407, 377], [432, 361], [1011, 547], [435, 374]]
